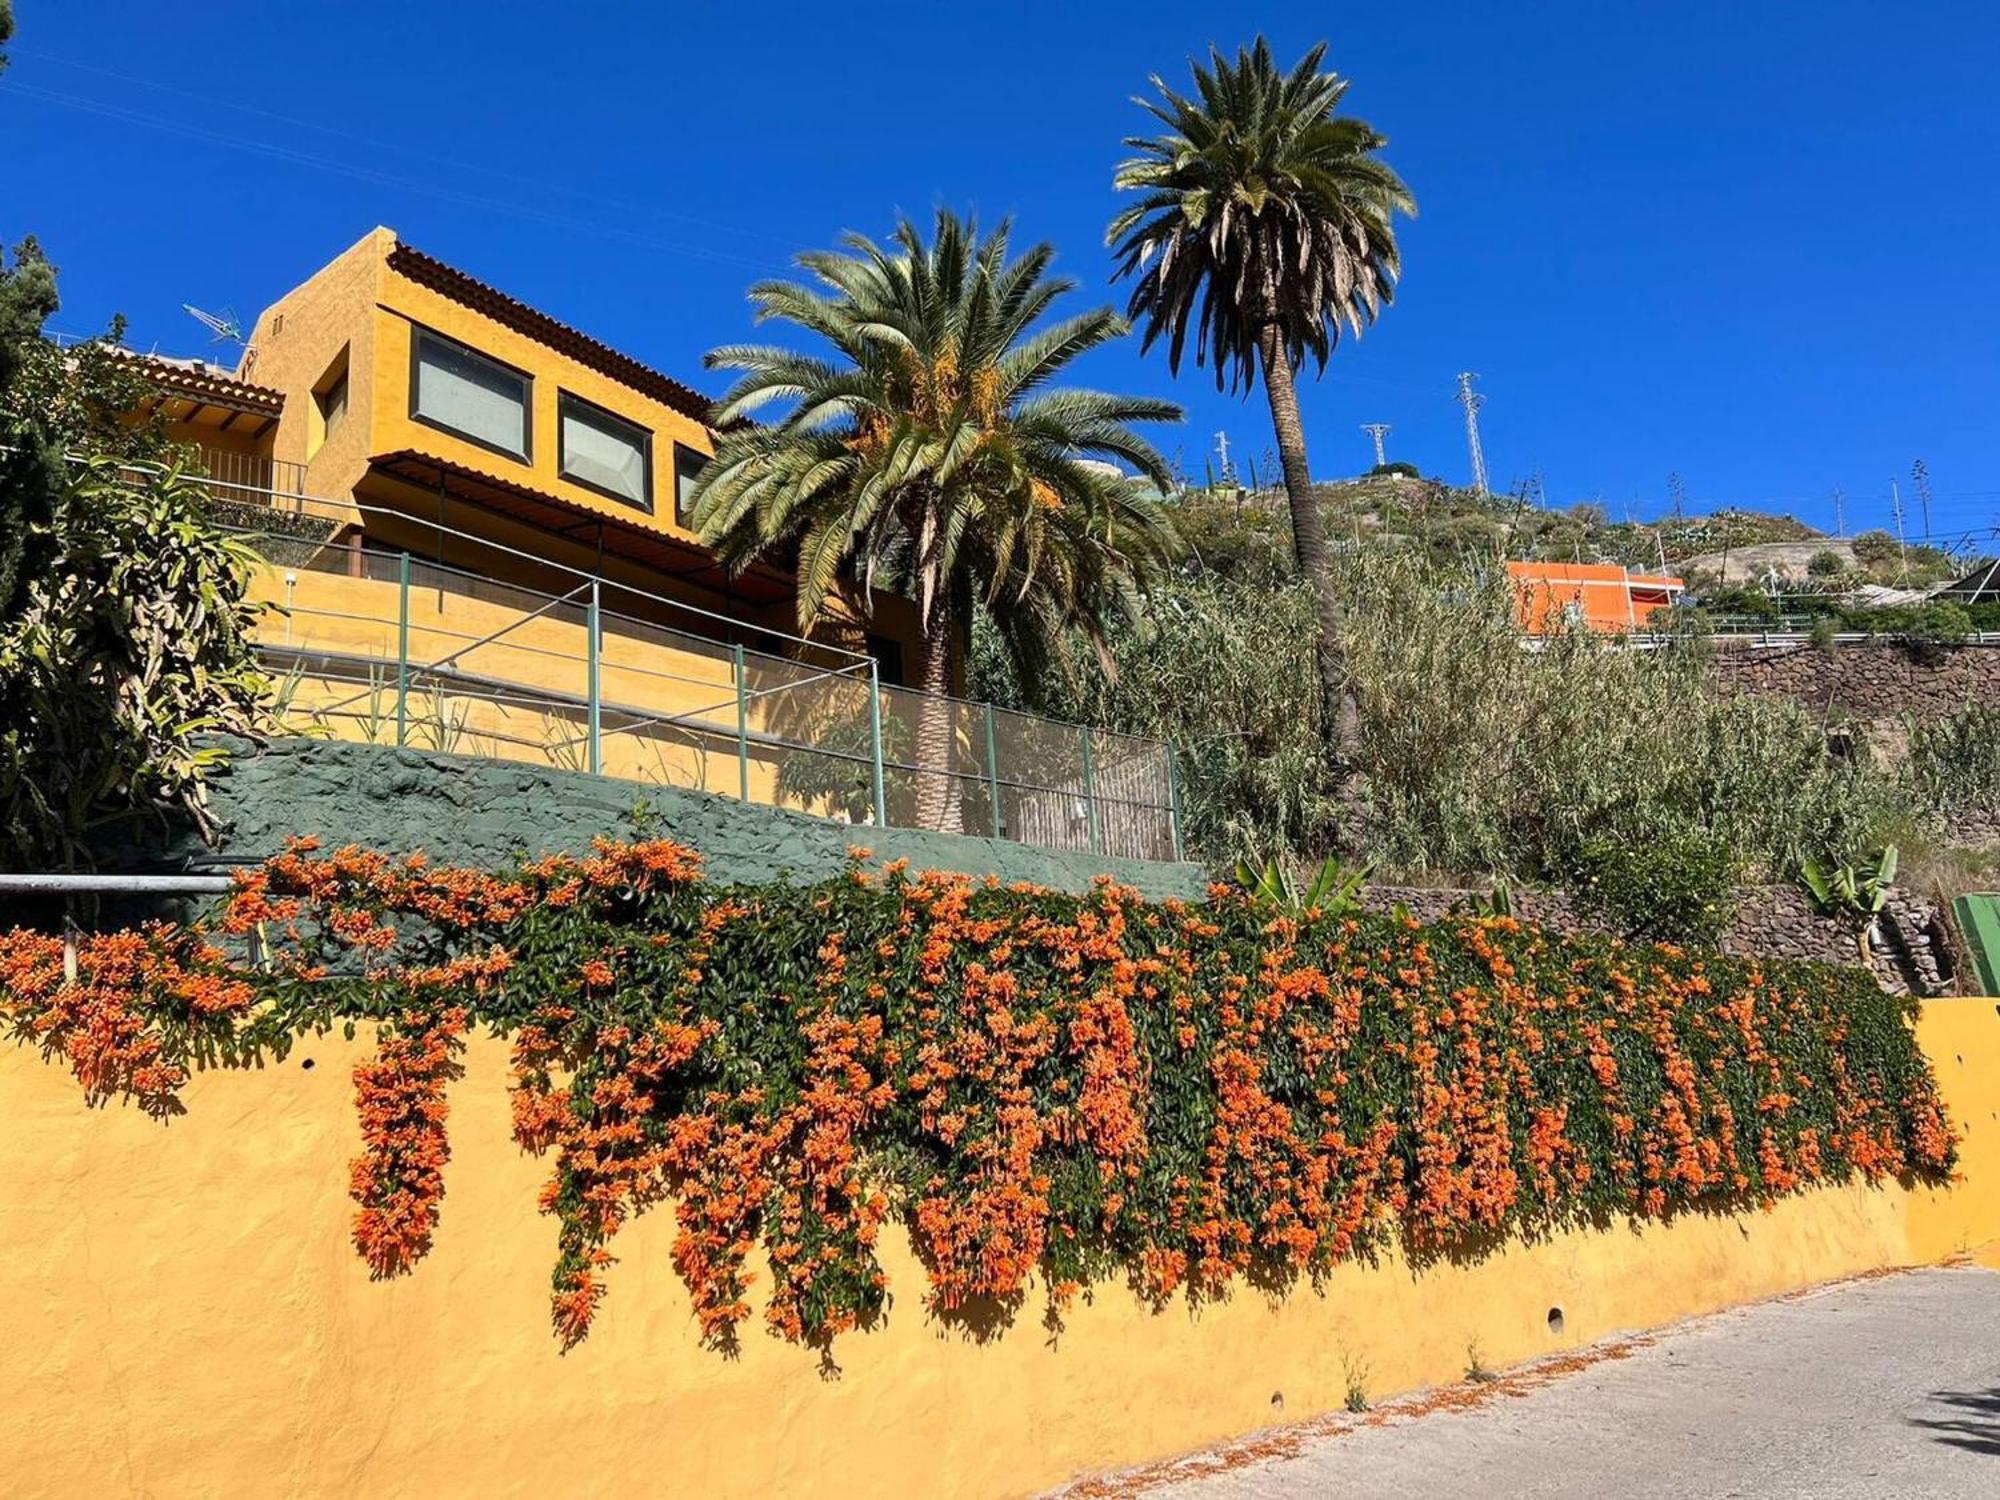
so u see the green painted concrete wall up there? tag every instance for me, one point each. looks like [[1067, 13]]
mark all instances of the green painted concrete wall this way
[[465, 810]]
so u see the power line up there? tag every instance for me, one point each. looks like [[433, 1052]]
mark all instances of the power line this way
[[210, 101], [382, 179]]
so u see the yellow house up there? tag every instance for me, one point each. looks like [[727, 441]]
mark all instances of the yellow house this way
[[453, 414], [476, 525]]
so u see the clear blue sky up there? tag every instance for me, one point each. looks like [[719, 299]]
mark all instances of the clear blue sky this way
[[1758, 244]]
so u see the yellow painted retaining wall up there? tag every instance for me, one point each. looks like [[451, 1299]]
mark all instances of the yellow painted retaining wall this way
[[185, 1317]]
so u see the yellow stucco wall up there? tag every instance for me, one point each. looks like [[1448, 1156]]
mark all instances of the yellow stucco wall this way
[[185, 1317], [298, 338]]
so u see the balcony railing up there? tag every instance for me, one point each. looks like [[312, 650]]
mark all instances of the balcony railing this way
[[590, 674], [255, 479]]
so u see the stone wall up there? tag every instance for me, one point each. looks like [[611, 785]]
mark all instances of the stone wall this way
[[467, 810], [1768, 921], [1874, 681], [1884, 685]]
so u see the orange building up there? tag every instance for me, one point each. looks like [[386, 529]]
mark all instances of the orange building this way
[[1602, 596]]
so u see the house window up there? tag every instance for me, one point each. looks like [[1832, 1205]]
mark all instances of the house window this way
[[329, 405], [604, 453], [464, 392], [332, 403], [687, 468]]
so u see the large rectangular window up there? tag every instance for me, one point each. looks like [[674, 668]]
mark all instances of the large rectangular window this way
[[464, 392], [688, 465], [605, 453]]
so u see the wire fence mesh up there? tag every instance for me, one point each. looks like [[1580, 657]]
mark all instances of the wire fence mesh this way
[[388, 648]]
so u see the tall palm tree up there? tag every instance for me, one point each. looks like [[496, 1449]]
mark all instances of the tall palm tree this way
[[924, 449], [1264, 221]]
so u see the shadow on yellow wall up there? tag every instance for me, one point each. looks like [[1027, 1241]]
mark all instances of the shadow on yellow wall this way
[[186, 1316]]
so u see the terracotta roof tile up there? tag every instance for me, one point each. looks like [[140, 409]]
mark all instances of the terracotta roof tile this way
[[188, 377], [427, 270]]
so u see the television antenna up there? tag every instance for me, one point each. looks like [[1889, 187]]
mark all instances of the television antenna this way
[[225, 325], [228, 329]]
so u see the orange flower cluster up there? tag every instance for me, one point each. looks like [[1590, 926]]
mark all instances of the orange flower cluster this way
[[398, 1180], [1043, 1088], [108, 1017]]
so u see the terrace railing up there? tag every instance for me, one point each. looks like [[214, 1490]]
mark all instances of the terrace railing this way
[[592, 674]]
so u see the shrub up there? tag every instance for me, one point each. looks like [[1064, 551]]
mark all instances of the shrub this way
[[1035, 1084], [1876, 547], [130, 645], [1826, 564], [1482, 756], [1955, 761], [123, 613], [1675, 889], [1396, 467], [1222, 670], [1478, 757]]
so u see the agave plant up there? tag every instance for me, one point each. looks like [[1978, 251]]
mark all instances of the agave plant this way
[[1334, 889]]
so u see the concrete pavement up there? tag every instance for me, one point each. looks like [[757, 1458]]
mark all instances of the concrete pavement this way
[[1875, 1388]]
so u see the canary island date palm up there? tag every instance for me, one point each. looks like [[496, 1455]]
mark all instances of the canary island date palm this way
[[922, 447], [1263, 223]]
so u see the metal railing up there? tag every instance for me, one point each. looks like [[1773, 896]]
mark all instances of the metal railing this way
[[269, 479], [596, 675]]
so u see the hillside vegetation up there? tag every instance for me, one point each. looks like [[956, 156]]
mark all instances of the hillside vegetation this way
[[1479, 758], [1448, 524]]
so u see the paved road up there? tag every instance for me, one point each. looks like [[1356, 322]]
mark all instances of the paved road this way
[[1879, 1388]]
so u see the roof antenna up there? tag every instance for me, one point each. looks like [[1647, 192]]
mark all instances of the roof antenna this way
[[227, 328]]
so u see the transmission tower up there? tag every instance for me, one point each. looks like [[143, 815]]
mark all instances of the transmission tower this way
[[1920, 477], [1677, 494], [1471, 400], [1839, 520], [1378, 431]]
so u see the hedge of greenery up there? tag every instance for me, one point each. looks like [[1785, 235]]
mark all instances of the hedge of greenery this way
[[1041, 1087]]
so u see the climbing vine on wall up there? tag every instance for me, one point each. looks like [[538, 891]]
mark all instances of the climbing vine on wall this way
[[1039, 1086]]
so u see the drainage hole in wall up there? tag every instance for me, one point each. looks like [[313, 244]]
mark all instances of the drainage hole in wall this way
[[1556, 1321], [1277, 1401], [307, 1065]]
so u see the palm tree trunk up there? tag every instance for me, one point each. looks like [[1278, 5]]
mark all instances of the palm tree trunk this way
[[1340, 715], [937, 802]]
